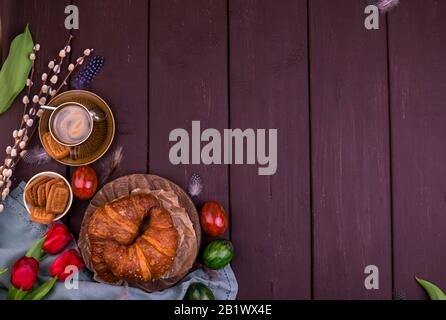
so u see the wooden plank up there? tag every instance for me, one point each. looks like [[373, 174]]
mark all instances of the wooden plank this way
[[118, 30], [418, 82], [269, 90], [188, 81], [350, 152], [44, 17]]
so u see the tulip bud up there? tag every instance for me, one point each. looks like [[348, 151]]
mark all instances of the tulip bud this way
[[56, 238], [66, 259], [24, 273]]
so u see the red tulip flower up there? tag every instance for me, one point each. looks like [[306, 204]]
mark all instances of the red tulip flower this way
[[56, 239], [24, 273], [66, 259]]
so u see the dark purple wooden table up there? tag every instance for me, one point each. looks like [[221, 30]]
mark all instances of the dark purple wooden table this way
[[361, 116]]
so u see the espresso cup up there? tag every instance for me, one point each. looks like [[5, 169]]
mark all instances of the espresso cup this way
[[70, 123]]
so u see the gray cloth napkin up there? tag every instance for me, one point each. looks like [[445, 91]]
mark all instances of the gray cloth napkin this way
[[18, 234]]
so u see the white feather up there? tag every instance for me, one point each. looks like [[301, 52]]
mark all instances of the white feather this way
[[111, 165], [387, 5], [195, 185], [37, 156]]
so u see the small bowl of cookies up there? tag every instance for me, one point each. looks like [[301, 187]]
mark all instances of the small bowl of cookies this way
[[48, 197]]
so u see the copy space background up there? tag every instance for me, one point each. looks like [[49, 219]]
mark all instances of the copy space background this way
[[361, 117]]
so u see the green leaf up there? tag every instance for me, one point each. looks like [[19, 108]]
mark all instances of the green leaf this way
[[15, 70], [40, 292], [432, 290], [2, 271], [36, 251], [16, 294]]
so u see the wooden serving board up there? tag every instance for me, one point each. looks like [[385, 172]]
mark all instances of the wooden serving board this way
[[124, 186]]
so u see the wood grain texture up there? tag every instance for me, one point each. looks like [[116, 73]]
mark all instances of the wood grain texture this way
[[167, 64], [350, 152], [188, 81], [118, 30], [418, 82], [40, 15], [269, 90]]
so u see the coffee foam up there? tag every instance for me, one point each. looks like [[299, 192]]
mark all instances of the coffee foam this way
[[71, 124]]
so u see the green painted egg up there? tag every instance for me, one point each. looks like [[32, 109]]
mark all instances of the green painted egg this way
[[218, 254], [198, 291]]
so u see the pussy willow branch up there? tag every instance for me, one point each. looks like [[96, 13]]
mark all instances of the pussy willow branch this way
[[31, 116], [79, 62], [45, 91], [29, 83]]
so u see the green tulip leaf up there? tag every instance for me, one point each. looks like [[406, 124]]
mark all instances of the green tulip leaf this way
[[36, 251], [2, 271], [40, 292], [434, 292], [15, 70], [16, 294]]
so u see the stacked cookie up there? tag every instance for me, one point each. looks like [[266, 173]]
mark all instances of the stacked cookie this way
[[47, 198], [54, 148]]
